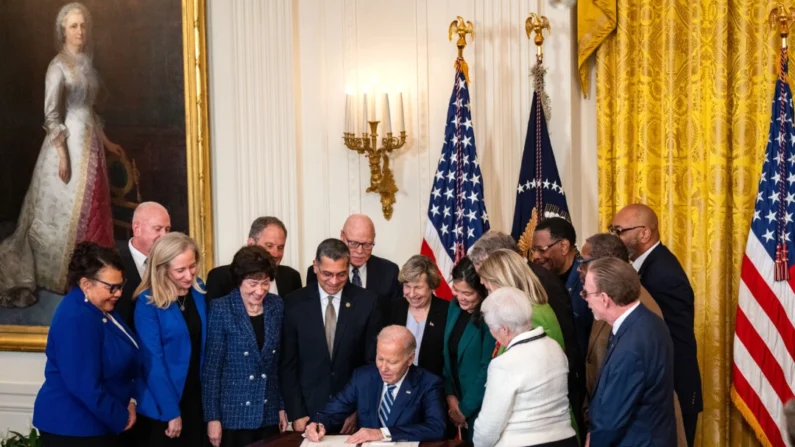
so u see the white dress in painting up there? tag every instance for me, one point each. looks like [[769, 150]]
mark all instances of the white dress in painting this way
[[55, 216]]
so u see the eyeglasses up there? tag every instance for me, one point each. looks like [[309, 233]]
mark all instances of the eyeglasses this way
[[618, 231], [584, 294], [113, 288], [545, 248], [353, 245]]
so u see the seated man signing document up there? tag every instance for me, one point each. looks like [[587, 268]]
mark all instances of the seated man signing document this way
[[396, 401]]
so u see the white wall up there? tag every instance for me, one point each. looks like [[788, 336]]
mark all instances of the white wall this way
[[278, 75]]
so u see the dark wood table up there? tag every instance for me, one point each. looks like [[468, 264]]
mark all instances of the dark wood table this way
[[293, 439]]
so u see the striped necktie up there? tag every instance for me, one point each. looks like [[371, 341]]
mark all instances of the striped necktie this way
[[356, 279], [386, 405]]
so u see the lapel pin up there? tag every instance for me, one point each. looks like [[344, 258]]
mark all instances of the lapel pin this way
[[104, 320], [347, 304], [408, 391], [431, 323]]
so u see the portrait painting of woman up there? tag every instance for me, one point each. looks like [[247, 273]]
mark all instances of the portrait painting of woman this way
[[68, 200]]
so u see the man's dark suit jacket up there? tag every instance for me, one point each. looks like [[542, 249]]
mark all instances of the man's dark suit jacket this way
[[632, 403], [663, 276], [309, 378], [560, 301], [219, 281], [431, 357], [382, 279], [417, 415], [125, 305]]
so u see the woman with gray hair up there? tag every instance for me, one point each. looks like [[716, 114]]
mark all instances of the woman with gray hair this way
[[421, 312], [523, 406], [68, 200]]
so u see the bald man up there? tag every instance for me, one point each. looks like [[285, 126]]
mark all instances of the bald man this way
[[366, 270], [150, 222], [665, 279], [396, 401]]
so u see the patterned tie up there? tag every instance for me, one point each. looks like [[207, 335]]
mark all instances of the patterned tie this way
[[357, 280], [331, 324], [610, 340], [386, 405]]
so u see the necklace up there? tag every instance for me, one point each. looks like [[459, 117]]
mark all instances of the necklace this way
[[182, 302]]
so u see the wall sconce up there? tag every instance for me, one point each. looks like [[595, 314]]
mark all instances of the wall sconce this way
[[381, 179]]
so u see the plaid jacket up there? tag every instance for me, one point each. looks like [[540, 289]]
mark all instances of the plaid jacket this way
[[240, 383]]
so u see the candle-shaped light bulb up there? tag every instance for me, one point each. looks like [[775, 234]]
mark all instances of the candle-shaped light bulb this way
[[347, 112], [385, 116], [365, 127], [401, 117]]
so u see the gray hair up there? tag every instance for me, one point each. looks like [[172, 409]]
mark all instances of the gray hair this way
[[510, 308], [490, 242], [415, 267], [60, 35], [398, 334], [333, 249], [261, 223], [604, 245]]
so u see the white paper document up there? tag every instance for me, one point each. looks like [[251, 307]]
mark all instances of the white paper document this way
[[390, 444], [328, 441]]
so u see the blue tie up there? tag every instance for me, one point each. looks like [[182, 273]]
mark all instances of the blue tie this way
[[357, 280], [386, 405]]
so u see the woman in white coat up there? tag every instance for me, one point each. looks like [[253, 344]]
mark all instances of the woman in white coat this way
[[526, 401]]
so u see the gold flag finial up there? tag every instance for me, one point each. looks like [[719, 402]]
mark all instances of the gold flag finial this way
[[462, 28], [536, 24], [780, 19]]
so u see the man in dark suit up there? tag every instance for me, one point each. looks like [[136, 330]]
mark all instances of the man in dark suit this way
[[632, 402], [366, 270], [330, 329], [662, 275], [269, 233], [396, 401], [559, 301], [150, 221]]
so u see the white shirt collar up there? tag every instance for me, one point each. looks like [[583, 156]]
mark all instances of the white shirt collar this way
[[397, 384], [619, 320], [138, 258], [362, 273], [525, 335], [638, 263], [324, 296]]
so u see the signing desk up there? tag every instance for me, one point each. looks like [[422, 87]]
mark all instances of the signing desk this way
[[293, 439]]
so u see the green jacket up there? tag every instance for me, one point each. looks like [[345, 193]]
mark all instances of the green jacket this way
[[474, 354]]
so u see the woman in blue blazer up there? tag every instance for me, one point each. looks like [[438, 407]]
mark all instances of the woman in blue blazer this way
[[468, 349], [240, 379], [171, 320], [93, 358]]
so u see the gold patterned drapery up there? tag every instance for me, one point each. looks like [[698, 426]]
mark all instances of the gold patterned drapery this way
[[684, 89]]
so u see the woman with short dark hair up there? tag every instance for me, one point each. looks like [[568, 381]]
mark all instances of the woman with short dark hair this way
[[240, 380], [93, 358]]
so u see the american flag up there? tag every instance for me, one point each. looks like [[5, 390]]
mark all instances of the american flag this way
[[456, 212], [539, 187], [763, 373]]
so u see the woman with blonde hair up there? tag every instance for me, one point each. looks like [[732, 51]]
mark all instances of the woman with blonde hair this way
[[171, 320]]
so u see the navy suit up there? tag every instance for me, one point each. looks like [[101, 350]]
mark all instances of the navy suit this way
[[166, 347], [240, 382], [309, 377], [663, 276], [632, 403], [92, 371], [417, 415], [382, 279]]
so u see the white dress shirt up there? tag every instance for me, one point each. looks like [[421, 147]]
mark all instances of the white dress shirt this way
[[417, 328], [624, 316], [335, 301], [362, 274], [638, 263], [122, 329], [138, 258], [384, 430]]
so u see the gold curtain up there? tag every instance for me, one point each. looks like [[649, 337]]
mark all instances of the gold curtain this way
[[684, 89]]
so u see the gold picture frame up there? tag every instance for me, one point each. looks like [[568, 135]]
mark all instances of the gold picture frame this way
[[197, 133]]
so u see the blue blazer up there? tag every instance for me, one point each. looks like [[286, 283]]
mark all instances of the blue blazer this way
[[166, 348], [632, 403], [583, 316], [91, 373], [417, 415], [240, 382]]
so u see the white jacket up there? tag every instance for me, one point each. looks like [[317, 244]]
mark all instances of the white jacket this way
[[526, 401]]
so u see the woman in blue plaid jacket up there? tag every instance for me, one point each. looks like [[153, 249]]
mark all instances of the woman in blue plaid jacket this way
[[240, 383]]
